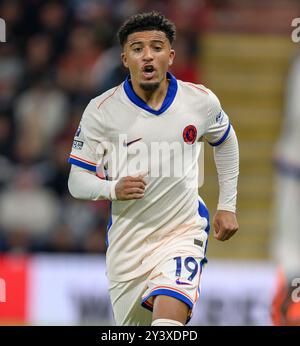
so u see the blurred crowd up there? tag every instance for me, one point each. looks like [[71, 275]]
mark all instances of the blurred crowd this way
[[57, 56]]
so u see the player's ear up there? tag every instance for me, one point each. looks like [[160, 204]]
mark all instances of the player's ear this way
[[124, 59], [171, 57]]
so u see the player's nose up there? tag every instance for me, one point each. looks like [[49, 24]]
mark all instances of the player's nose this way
[[147, 54]]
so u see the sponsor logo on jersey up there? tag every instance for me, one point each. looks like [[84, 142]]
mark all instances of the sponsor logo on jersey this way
[[126, 144], [180, 282], [132, 155], [190, 134], [77, 144]]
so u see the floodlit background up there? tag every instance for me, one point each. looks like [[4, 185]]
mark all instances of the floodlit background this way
[[60, 54]]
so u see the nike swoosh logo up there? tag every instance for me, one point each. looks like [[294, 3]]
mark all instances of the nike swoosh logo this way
[[131, 142], [182, 283]]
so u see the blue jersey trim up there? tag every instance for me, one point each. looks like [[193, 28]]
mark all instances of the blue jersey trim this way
[[172, 91], [220, 141], [203, 212], [82, 164]]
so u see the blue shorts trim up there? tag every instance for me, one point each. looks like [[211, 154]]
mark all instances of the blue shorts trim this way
[[170, 293], [166, 292]]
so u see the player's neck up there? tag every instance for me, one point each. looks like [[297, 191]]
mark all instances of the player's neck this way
[[153, 98]]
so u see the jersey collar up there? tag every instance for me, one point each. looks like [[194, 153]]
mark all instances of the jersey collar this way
[[172, 90]]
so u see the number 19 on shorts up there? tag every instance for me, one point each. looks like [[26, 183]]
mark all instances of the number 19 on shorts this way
[[186, 269]]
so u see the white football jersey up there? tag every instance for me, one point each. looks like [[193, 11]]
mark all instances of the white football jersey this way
[[120, 135]]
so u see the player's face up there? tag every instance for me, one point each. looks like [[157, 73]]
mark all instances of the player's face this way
[[148, 56]]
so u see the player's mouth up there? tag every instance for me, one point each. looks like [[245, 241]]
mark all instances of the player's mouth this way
[[148, 71]]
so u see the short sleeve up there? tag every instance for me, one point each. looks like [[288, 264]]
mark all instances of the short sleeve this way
[[218, 126]]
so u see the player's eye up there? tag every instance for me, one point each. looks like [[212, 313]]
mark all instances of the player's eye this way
[[137, 49], [158, 48]]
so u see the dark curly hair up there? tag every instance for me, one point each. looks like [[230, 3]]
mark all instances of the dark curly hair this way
[[147, 21]]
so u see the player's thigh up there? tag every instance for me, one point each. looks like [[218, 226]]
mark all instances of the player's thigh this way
[[126, 302], [167, 307]]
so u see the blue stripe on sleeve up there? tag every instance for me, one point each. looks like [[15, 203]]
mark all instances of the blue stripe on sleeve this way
[[220, 141], [82, 164]]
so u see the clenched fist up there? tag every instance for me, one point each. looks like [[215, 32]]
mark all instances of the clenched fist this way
[[130, 188], [225, 225]]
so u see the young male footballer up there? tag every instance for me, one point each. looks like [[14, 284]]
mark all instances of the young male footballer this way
[[145, 136]]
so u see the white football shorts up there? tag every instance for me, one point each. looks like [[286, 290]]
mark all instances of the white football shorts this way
[[178, 277]]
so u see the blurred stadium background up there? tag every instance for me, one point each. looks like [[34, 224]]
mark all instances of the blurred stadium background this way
[[60, 54]]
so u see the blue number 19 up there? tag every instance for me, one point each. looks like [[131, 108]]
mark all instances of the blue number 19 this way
[[190, 264]]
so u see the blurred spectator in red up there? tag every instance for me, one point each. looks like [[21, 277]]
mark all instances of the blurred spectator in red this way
[[74, 70], [56, 21], [38, 59], [185, 65]]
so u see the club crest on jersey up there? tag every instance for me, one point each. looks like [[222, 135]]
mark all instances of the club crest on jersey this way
[[190, 134]]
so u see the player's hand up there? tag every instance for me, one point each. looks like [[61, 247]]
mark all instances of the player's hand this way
[[225, 225], [130, 188]]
